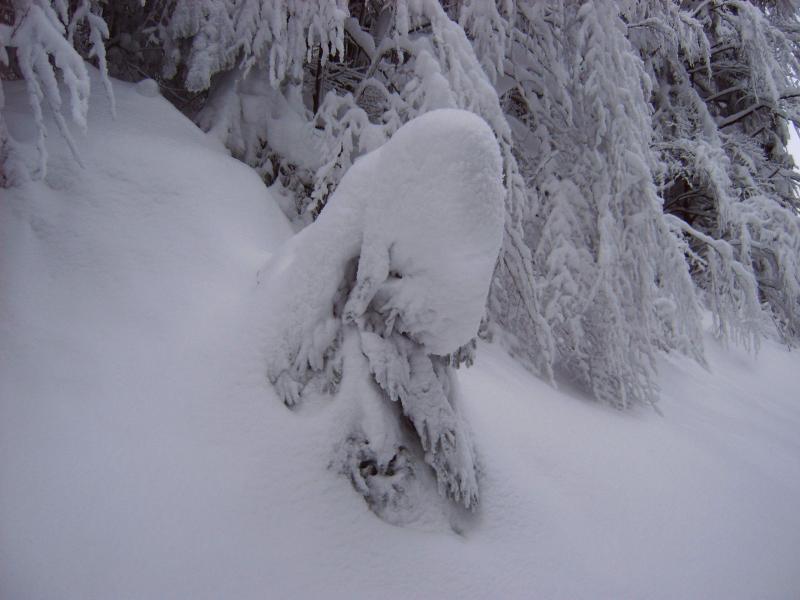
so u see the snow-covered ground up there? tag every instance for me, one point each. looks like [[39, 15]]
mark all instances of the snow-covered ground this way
[[143, 453]]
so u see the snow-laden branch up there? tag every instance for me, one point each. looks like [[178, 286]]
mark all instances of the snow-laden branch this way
[[42, 36]]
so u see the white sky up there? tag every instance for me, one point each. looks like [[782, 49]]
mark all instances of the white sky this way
[[794, 146]]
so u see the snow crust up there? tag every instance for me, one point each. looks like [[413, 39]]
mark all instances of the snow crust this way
[[143, 454]]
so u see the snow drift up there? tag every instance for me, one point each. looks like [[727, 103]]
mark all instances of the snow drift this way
[[402, 254]]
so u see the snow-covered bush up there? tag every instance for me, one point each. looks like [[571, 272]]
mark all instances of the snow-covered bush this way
[[390, 280]]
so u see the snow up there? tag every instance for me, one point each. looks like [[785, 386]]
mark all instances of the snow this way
[[435, 221], [148, 88], [427, 245], [143, 452], [247, 111]]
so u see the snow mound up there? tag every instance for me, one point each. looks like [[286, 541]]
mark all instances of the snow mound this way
[[148, 88]]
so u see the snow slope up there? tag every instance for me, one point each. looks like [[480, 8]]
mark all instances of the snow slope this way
[[144, 455]]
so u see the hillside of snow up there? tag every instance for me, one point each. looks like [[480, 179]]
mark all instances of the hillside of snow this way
[[144, 454]]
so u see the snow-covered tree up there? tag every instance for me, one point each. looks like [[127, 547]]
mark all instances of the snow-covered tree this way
[[616, 287], [387, 284], [725, 76]]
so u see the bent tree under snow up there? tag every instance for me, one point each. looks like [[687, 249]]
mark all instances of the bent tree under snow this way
[[382, 293]]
